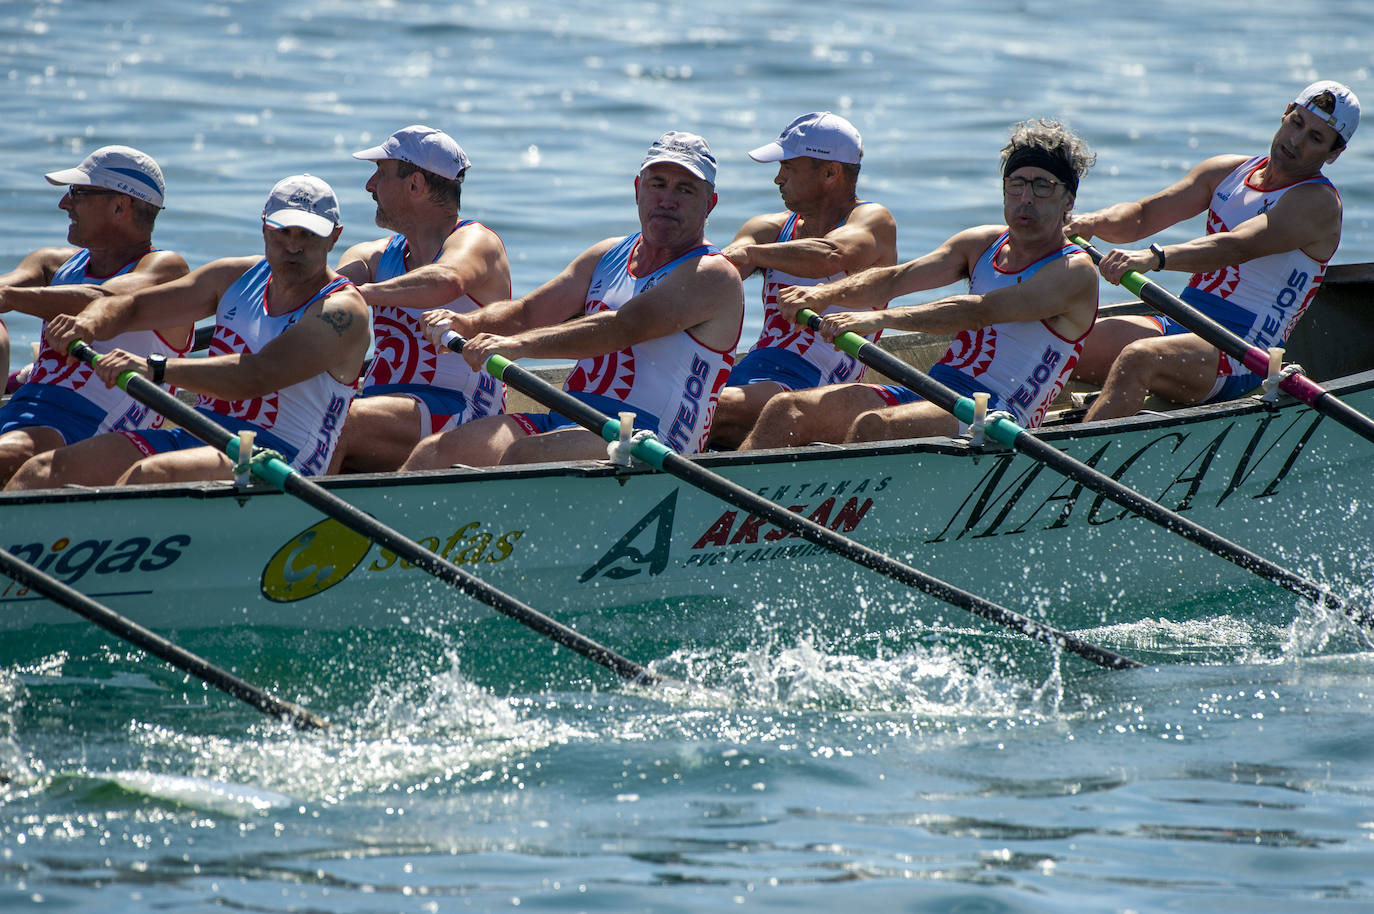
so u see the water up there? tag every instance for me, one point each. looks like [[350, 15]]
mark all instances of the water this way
[[937, 771]]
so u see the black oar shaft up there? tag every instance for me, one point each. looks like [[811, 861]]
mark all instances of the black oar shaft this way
[[449, 573], [1077, 471], [713, 483], [1299, 386], [155, 644], [291, 482]]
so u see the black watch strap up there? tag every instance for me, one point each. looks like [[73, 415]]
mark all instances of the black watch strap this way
[[1158, 252], [157, 367]]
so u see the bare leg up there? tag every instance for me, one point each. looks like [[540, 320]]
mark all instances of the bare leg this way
[[4, 355], [480, 443], [814, 414], [379, 435], [737, 411], [564, 444], [1181, 368], [907, 420], [1106, 340], [19, 445], [98, 461], [192, 465]]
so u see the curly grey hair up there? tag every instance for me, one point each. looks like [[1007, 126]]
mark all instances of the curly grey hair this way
[[1053, 137]]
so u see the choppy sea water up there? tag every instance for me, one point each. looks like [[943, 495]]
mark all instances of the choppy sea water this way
[[961, 771]]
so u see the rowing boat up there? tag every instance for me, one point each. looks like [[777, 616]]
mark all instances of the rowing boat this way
[[576, 537]]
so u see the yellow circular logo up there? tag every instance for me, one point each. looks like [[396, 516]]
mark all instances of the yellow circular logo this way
[[316, 559]]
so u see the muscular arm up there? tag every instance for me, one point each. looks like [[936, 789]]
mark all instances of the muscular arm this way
[[868, 238], [331, 337], [757, 231], [181, 302], [555, 301], [471, 262], [873, 288], [1305, 217], [1063, 293], [703, 295], [32, 295], [1124, 223]]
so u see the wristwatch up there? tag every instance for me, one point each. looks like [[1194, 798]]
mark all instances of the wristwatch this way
[[1158, 252], [157, 366]]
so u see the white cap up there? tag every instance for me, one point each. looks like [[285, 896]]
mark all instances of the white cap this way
[[818, 135], [1346, 116], [685, 149], [424, 147], [120, 168], [303, 201]]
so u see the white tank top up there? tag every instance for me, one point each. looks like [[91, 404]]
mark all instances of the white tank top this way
[[308, 415], [835, 366], [120, 411], [674, 378], [1260, 300], [1025, 363], [402, 355]]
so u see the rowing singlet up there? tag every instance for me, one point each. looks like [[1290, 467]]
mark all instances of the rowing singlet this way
[[308, 415], [1260, 300], [403, 355], [118, 409], [835, 366], [1024, 363], [674, 378]]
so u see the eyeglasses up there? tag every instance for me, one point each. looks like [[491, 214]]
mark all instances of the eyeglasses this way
[[77, 191], [1041, 187]]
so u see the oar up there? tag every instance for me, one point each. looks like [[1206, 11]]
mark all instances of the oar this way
[[281, 475], [1007, 432], [155, 644], [1299, 386], [663, 458]]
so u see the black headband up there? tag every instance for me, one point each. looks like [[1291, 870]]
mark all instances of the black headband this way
[[1038, 157]]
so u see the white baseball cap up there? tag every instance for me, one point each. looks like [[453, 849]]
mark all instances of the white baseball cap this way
[[424, 147], [303, 201], [685, 149], [120, 168], [818, 135], [1346, 116]]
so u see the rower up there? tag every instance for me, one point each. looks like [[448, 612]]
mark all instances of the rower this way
[[1031, 300], [289, 342], [434, 260], [825, 233], [112, 199], [1273, 225], [659, 313]]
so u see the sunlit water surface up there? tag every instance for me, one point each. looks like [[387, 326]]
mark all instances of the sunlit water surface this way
[[922, 771]]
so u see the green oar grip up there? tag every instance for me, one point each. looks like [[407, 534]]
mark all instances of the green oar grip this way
[[1132, 281]]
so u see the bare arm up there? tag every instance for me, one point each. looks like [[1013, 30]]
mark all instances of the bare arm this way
[[1124, 223], [472, 262], [181, 302], [555, 301], [1063, 293], [331, 337], [1305, 217], [36, 269], [33, 296], [758, 230], [873, 288], [703, 295], [868, 238], [359, 263]]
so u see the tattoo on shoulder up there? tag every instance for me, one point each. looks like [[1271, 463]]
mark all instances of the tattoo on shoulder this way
[[339, 320]]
